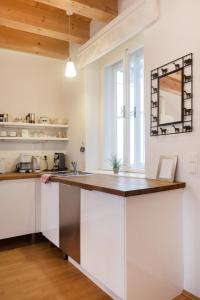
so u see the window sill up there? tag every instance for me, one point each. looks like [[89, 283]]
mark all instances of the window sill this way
[[122, 173]]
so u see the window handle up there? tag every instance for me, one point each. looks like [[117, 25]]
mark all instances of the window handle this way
[[135, 112], [123, 111]]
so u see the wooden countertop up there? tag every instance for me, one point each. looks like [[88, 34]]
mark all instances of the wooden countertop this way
[[116, 185], [14, 176], [119, 185]]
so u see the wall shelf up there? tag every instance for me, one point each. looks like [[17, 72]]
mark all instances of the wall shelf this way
[[45, 132], [40, 139], [30, 125]]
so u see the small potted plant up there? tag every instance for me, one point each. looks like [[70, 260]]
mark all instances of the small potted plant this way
[[115, 162]]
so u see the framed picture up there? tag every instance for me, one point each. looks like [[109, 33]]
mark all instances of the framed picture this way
[[167, 168]]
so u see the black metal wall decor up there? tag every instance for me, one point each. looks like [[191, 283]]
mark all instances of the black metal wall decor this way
[[172, 97]]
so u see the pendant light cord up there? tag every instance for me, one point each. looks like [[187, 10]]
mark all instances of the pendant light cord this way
[[69, 14], [70, 66], [69, 25]]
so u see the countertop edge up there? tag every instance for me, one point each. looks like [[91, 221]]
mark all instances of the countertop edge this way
[[18, 176], [172, 186], [93, 187]]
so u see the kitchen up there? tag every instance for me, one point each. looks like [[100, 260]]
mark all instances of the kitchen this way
[[115, 217]]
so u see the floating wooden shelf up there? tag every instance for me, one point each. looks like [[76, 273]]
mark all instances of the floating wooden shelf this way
[[32, 125], [39, 139]]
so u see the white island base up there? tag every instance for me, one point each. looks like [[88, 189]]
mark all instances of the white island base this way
[[132, 247]]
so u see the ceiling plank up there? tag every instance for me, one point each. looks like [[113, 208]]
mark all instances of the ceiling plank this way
[[34, 17], [171, 85], [33, 43], [100, 10]]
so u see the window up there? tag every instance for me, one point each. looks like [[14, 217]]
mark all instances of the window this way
[[124, 111]]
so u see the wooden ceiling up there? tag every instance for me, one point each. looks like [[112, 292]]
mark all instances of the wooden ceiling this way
[[42, 26]]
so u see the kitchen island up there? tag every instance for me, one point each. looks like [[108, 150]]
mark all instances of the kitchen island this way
[[130, 231], [116, 185], [119, 185]]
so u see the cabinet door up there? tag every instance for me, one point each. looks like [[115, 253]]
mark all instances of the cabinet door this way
[[70, 221], [37, 205], [17, 208], [102, 239], [50, 212]]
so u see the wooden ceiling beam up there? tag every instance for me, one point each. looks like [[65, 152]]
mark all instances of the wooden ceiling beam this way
[[100, 10], [33, 43], [171, 85], [37, 18]]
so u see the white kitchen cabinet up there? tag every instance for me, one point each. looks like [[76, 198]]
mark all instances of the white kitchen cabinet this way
[[50, 212], [17, 208], [37, 206], [103, 239], [131, 243], [154, 256]]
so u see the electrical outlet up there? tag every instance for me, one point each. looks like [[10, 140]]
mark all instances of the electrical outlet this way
[[193, 164]]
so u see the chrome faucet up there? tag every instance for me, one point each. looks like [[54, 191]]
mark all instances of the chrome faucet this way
[[74, 165]]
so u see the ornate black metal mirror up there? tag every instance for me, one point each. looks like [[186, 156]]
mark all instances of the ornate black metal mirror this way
[[171, 97]]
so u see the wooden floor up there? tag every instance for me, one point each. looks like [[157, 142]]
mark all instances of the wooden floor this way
[[182, 297], [186, 296], [38, 272]]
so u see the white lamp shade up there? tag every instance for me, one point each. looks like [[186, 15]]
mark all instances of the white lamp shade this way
[[70, 70]]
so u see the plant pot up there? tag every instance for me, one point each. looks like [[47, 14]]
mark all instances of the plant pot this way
[[116, 170]]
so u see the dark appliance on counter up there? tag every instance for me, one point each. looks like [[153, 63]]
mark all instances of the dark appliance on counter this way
[[59, 162], [69, 221], [30, 118], [3, 117]]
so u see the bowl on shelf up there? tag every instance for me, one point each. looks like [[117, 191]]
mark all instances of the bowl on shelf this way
[[44, 120]]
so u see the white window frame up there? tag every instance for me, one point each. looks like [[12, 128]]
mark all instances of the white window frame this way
[[124, 63], [127, 59]]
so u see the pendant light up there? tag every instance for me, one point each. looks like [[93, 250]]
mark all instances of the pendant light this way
[[70, 70]]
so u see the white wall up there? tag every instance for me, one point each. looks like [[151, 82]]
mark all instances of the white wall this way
[[92, 116], [75, 110], [175, 34], [96, 26], [30, 83], [123, 4]]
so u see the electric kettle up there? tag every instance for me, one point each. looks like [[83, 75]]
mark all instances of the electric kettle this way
[[36, 164]]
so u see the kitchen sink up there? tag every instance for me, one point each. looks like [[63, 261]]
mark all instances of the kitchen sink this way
[[65, 174]]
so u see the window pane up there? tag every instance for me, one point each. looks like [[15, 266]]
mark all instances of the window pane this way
[[132, 139], [136, 110], [120, 138], [132, 89], [142, 141], [142, 153], [118, 86], [120, 93], [142, 85]]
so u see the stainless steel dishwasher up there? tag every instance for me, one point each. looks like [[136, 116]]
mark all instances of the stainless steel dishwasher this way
[[70, 221]]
